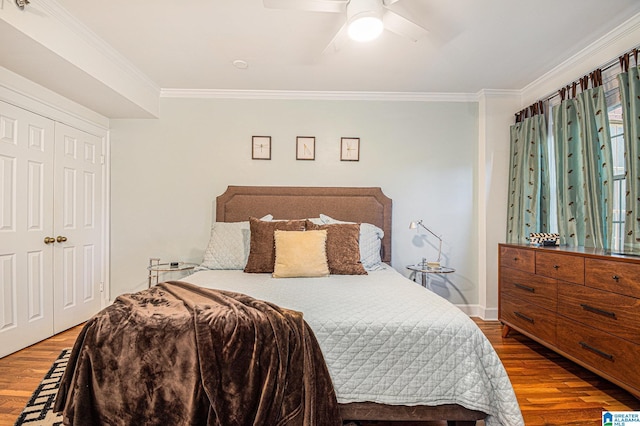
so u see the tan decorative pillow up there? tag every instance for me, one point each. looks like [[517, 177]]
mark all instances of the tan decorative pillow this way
[[300, 254], [261, 246], [343, 249]]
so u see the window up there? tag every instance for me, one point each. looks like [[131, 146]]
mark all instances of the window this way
[[619, 181]]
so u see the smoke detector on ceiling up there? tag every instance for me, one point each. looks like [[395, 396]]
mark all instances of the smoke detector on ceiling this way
[[240, 64]]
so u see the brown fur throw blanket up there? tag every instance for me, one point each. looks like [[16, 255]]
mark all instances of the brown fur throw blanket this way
[[179, 354]]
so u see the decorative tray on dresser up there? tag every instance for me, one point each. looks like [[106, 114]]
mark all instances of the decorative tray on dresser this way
[[582, 303]]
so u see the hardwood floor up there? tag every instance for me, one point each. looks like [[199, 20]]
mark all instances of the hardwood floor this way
[[21, 372], [550, 389]]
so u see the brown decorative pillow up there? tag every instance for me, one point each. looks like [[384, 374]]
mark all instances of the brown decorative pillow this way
[[262, 246], [343, 250]]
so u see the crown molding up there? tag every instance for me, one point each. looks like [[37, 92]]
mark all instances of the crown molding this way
[[500, 93], [318, 95]]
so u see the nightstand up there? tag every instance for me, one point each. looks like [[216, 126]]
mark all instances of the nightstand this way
[[155, 268], [425, 270]]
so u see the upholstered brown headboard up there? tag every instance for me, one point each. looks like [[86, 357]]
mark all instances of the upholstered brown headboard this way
[[368, 205]]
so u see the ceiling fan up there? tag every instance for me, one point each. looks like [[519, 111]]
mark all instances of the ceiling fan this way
[[364, 19]]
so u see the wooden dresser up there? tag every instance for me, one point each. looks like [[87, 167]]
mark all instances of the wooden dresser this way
[[581, 303]]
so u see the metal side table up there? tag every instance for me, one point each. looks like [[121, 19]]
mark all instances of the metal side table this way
[[426, 271], [156, 268]]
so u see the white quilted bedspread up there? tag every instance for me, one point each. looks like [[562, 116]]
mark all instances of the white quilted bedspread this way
[[386, 339]]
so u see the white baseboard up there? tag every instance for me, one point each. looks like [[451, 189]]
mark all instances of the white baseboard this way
[[486, 314]]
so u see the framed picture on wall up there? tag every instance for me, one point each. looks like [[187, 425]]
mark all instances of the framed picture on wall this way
[[305, 148], [350, 149], [261, 147]]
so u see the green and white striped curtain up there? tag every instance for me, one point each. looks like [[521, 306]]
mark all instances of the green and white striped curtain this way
[[528, 198], [584, 166], [629, 85]]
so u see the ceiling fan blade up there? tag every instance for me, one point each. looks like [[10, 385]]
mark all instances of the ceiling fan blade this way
[[402, 26], [338, 42], [336, 6]]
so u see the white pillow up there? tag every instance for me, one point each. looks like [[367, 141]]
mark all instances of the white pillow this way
[[370, 243], [228, 246]]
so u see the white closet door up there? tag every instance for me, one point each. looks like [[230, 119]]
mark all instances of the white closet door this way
[[26, 203], [78, 219]]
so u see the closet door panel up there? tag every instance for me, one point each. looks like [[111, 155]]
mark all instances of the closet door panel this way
[[8, 319], [78, 221], [26, 203]]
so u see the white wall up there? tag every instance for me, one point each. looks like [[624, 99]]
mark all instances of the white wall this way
[[496, 116], [167, 172]]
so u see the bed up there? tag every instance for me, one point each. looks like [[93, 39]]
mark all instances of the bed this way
[[394, 350], [350, 300]]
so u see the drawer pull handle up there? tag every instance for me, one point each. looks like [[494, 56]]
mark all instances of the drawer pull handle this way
[[596, 351], [525, 287], [598, 311], [524, 317], [556, 266], [615, 278]]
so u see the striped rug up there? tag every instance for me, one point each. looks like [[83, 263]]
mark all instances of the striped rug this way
[[39, 408]]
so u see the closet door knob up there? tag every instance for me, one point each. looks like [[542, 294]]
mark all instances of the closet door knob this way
[[61, 239], [49, 240]]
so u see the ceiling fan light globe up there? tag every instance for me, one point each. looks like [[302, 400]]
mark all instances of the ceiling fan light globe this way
[[365, 28]]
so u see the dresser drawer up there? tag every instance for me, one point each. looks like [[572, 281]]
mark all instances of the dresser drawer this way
[[518, 258], [616, 314], [560, 266], [541, 291], [618, 277], [528, 317], [602, 351]]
